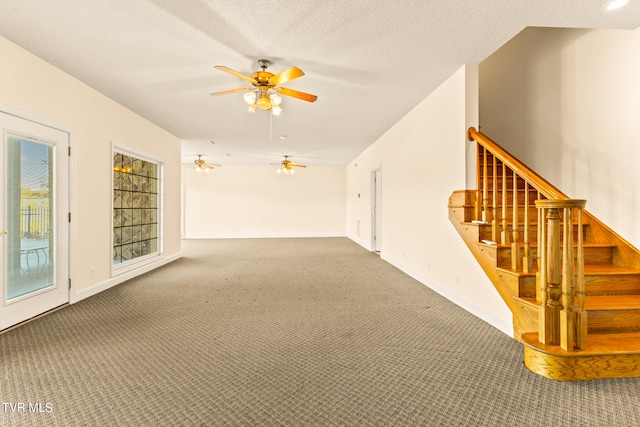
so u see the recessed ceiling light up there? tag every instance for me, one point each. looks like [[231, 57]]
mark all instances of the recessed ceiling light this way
[[616, 4]]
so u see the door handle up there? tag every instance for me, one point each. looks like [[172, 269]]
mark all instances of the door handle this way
[[4, 232]]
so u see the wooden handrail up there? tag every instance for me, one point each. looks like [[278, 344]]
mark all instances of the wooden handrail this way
[[546, 189], [535, 180]]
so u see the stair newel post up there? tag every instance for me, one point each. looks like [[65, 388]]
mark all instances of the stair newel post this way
[[526, 259], [495, 233], [504, 236], [542, 286], [551, 264], [580, 312], [567, 321], [515, 246], [554, 275]]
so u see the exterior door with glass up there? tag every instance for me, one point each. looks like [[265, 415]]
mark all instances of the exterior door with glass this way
[[34, 224]]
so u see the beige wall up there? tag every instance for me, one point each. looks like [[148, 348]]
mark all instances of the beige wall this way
[[255, 201], [567, 102], [422, 159], [30, 84]]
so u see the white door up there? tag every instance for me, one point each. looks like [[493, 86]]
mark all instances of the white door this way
[[34, 223]]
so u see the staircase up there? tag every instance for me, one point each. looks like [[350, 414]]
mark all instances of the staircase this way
[[572, 284]]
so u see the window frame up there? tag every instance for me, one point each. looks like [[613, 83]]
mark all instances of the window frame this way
[[134, 263]]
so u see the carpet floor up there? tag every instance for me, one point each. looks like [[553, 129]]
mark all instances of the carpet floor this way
[[283, 332]]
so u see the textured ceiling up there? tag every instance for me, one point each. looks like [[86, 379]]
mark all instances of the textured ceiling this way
[[369, 62]]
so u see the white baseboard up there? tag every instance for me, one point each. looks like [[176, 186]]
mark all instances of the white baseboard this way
[[103, 286], [360, 242], [259, 236], [500, 324]]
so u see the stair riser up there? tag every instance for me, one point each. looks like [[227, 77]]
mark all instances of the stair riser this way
[[533, 220], [596, 285], [526, 287], [521, 197], [622, 284], [613, 320], [592, 256], [469, 213], [533, 215], [486, 232]]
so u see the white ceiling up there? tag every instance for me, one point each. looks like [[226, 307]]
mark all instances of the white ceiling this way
[[369, 62]]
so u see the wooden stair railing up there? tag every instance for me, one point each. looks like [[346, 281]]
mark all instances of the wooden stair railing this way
[[551, 262], [562, 320]]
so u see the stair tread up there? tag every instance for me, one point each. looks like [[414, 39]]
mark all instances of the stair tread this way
[[597, 344], [609, 269], [605, 302]]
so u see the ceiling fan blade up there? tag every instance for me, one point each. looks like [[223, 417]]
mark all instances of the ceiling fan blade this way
[[297, 94], [286, 76], [230, 91], [236, 74], [297, 165]]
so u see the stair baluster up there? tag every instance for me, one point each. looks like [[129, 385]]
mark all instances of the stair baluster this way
[[567, 318], [485, 186], [479, 210], [495, 232], [504, 237], [580, 312], [515, 246], [526, 258]]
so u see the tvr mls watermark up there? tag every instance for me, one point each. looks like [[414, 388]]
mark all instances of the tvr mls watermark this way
[[27, 407]]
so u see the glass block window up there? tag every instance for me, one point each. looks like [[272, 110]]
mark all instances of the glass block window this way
[[135, 208]]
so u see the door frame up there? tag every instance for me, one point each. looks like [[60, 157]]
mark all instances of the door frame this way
[[376, 210], [71, 181]]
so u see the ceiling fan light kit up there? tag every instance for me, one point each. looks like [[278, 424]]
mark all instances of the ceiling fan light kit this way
[[266, 92], [202, 166], [287, 167], [286, 171], [266, 95]]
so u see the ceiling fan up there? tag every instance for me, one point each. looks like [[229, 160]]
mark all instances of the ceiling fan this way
[[288, 165], [200, 165], [266, 90]]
